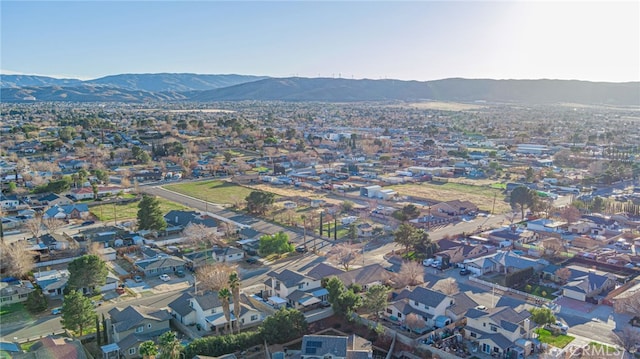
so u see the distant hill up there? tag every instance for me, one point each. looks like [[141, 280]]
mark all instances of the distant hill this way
[[146, 82], [173, 82], [204, 88], [464, 90], [32, 80], [84, 93]]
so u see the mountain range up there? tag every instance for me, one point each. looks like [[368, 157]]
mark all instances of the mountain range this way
[[206, 88]]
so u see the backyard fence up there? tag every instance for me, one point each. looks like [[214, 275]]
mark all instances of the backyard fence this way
[[509, 290]]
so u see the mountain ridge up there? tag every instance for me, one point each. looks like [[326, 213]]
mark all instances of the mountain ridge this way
[[189, 87]]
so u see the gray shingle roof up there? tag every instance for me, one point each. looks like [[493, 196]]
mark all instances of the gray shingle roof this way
[[287, 277], [181, 305], [319, 345], [129, 317], [323, 270], [427, 296]]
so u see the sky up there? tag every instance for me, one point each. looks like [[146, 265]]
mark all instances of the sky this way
[[420, 40]]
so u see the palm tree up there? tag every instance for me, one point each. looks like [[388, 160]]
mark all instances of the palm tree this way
[[170, 347], [148, 349], [234, 285], [224, 295]]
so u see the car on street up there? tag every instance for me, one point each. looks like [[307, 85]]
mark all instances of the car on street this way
[[87, 223], [301, 249], [165, 277], [56, 311]]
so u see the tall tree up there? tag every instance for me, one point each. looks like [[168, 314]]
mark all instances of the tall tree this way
[[542, 316], [77, 312], [522, 198], [376, 299], [149, 214], [148, 349], [275, 243], [284, 326], [169, 346], [406, 235], [88, 271], [258, 202], [201, 235], [342, 300], [225, 295], [234, 285], [570, 214]]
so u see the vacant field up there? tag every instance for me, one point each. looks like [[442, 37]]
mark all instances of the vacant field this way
[[482, 196], [296, 192], [120, 212], [212, 191]]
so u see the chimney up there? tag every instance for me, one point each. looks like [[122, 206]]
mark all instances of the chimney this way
[[527, 327]]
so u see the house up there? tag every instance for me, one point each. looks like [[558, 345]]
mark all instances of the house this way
[[227, 254], [334, 347], [205, 310], [14, 292], [585, 284], [130, 326], [366, 276], [454, 207], [9, 202], [497, 330], [160, 265], [54, 347], [52, 282], [71, 211], [581, 227], [454, 252], [504, 262], [55, 241], [364, 230], [181, 219], [298, 290], [49, 199], [429, 304], [10, 348], [461, 304]]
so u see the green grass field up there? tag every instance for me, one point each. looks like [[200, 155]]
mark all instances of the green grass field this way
[[13, 313], [109, 212], [212, 191], [558, 341]]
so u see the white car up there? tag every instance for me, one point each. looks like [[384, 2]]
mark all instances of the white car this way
[[562, 326], [165, 278]]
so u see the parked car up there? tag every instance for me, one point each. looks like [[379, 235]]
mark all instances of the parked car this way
[[87, 223], [251, 260], [301, 249], [165, 277], [180, 273], [427, 262], [325, 304], [137, 279], [464, 271], [56, 311]]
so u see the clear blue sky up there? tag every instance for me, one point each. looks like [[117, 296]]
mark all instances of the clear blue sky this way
[[595, 41]]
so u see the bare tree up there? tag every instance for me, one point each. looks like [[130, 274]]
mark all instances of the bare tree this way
[[563, 274], [214, 277], [344, 255], [201, 235], [53, 224], [411, 273], [628, 338], [553, 246], [16, 257], [570, 214], [34, 226], [415, 321], [96, 248], [447, 286], [630, 304]]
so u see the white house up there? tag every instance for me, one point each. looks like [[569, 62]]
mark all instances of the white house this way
[[206, 311], [227, 254], [499, 330], [294, 288], [429, 304]]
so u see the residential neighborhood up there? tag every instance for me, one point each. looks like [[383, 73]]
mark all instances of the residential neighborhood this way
[[386, 230]]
